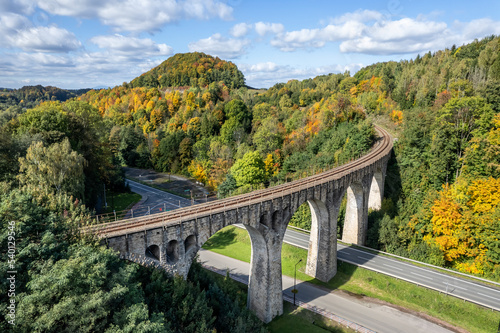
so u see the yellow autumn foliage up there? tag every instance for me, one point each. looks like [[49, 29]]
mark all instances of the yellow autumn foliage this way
[[465, 223]]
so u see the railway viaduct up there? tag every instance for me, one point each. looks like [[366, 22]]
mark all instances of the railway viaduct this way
[[171, 240]]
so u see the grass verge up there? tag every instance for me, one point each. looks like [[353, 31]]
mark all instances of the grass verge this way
[[235, 242], [121, 201], [299, 320]]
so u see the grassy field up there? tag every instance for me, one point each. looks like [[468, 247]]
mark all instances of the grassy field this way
[[121, 201], [235, 242]]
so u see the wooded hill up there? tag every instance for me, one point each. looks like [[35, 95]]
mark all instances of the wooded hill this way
[[191, 69], [30, 96]]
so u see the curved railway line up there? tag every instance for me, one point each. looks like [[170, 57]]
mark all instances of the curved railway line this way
[[382, 147]]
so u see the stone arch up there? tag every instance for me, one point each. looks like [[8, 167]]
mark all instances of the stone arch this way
[[376, 190], [172, 251], [153, 252], [354, 215], [189, 243]]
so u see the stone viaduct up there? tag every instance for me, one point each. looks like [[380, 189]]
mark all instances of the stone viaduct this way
[[171, 240]]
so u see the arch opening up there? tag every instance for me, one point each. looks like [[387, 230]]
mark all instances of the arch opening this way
[[376, 190], [153, 252], [190, 243], [275, 221], [172, 252], [353, 223], [263, 220]]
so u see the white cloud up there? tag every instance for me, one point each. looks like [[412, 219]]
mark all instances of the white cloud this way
[[138, 15], [83, 70], [240, 30], [16, 31], [132, 46], [262, 28], [10, 23], [371, 32], [218, 45], [81, 8], [25, 7], [394, 37], [262, 67], [413, 36], [267, 74], [406, 29], [44, 39], [478, 28], [359, 16], [315, 38]]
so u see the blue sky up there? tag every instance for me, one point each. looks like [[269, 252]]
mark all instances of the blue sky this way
[[89, 43]]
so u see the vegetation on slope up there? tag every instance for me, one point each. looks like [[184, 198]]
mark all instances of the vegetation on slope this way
[[442, 186], [194, 69], [15, 101], [444, 106]]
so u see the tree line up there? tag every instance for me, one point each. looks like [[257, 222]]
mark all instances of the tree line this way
[[442, 188]]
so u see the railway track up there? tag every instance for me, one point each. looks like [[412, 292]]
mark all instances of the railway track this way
[[382, 147]]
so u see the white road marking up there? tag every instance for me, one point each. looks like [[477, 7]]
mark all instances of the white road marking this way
[[425, 277], [443, 275], [489, 296], [393, 267], [364, 258], [453, 286]]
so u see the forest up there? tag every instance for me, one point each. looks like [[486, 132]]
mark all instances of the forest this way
[[193, 115]]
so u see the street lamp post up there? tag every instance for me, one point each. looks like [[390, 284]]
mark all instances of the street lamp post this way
[[295, 291]]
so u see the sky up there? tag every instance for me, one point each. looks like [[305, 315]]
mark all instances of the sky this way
[[102, 43]]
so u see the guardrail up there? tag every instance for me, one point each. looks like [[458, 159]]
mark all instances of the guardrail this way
[[408, 259], [129, 213], [426, 264], [472, 277]]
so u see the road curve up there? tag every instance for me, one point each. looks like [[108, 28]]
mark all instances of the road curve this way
[[374, 316], [381, 149]]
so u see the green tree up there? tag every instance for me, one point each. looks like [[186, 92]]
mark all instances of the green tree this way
[[237, 109], [56, 167], [232, 131], [267, 138], [463, 118], [249, 170]]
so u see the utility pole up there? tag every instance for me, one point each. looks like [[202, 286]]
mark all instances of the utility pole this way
[[295, 291], [105, 202]]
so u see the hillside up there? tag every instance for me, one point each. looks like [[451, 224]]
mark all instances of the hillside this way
[[191, 69], [29, 96], [444, 107], [193, 116]]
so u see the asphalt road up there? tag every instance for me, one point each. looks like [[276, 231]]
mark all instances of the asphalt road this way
[[374, 316], [155, 201], [476, 292], [472, 291]]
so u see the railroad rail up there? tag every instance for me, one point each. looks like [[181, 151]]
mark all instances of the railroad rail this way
[[382, 147]]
